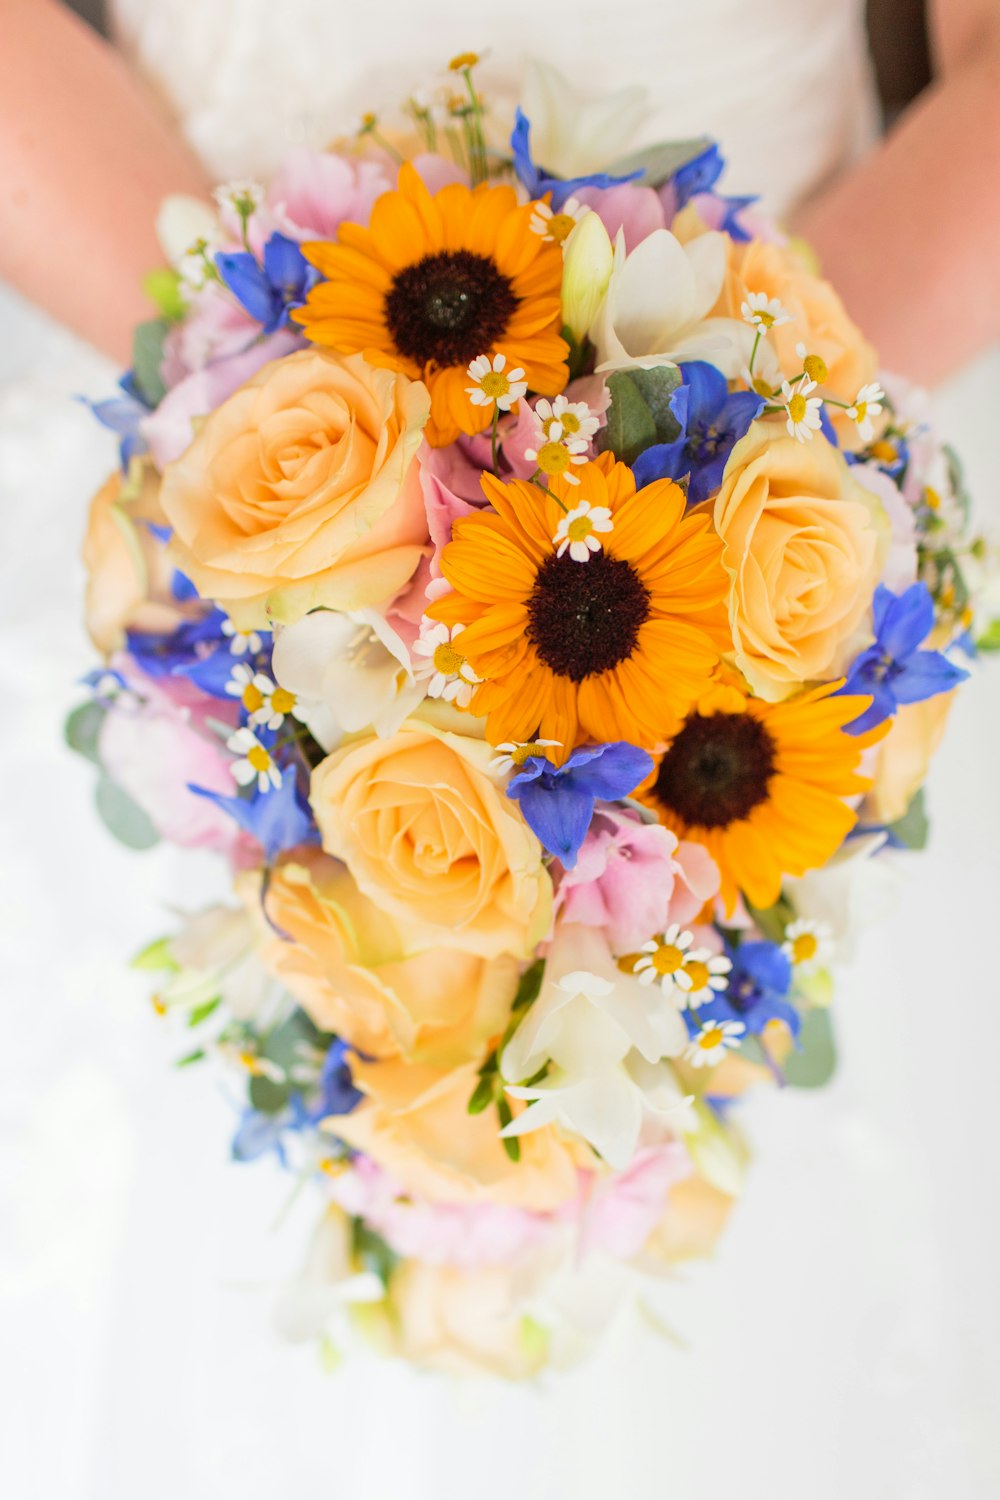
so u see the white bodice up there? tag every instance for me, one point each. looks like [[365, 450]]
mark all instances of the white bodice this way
[[784, 85]]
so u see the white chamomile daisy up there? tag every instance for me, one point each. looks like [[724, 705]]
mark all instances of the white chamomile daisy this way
[[580, 530], [808, 944], [867, 404], [556, 226], [712, 1043], [450, 676], [495, 385], [562, 420], [265, 703], [558, 457], [255, 763], [511, 755], [242, 642], [243, 194], [763, 312], [704, 975], [801, 409], [662, 958], [813, 364]]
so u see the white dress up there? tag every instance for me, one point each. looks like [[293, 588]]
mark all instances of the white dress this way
[[845, 1341]]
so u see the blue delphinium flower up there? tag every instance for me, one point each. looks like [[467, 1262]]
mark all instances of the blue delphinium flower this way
[[558, 802], [538, 182], [712, 422], [338, 1094], [698, 176], [759, 982], [271, 287], [895, 670], [123, 415], [278, 819]]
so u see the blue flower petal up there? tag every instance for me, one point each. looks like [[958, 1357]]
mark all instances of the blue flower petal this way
[[903, 621], [924, 675], [559, 816]]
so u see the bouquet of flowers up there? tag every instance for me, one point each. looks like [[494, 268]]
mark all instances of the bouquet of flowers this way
[[524, 578]]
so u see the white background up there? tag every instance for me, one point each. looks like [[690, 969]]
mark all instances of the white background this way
[[844, 1342]]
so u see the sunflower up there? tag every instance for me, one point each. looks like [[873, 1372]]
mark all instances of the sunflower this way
[[762, 785], [436, 280], [615, 647]]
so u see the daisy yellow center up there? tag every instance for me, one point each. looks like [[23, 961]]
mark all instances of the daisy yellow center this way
[[447, 660], [463, 60], [698, 973], [797, 407], [711, 1039], [495, 384], [252, 698], [570, 423], [259, 758], [525, 752], [765, 319], [560, 227], [446, 308], [282, 701], [579, 529], [667, 959], [884, 452], [862, 411], [583, 621], [717, 770], [804, 947], [815, 368], [553, 458], [932, 499]]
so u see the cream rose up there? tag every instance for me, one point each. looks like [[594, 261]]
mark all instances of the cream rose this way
[[354, 970], [128, 571], [803, 544], [465, 1322], [905, 754], [430, 837], [301, 490]]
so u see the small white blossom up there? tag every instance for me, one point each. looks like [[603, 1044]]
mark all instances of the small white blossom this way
[[561, 420], [580, 530], [255, 763], [264, 702], [495, 385], [802, 410], [511, 755], [242, 194], [450, 676], [763, 312], [867, 404], [704, 975], [712, 1043], [556, 225], [808, 944], [242, 642], [663, 958]]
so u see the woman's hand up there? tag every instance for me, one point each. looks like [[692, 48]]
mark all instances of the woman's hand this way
[[85, 159]]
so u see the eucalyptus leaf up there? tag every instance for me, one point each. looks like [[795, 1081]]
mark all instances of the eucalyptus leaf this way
[[631, 427], [267, 1096], [147, 359], [816, 1063], [83, 727], [659, 163], [656, 386], [912, 829], [482, 1094], [124, 818]]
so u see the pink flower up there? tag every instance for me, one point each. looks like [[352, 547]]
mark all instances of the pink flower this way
[[637, 210], [313, 192], [623, 1210], [634, 879], [155, 741]]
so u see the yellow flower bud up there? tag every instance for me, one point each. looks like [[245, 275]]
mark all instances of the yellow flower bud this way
[[589, 258]]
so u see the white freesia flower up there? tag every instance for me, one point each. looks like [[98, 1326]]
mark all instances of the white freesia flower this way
[[655, 311], [217, 954], [317, 1302], [182, 221], [603, 1036], [347, 671], [572, 132], [588, 260]]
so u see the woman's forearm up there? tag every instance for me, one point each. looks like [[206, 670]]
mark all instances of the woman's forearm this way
[[910, 237], [86, 157]]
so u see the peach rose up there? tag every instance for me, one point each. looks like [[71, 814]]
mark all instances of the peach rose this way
[[692, 1222], [128, 571], [300, 490], [819, 319], [464, 1322], [430, 837], [353, 968], [905, 754], [416, 1126], [803, 544]]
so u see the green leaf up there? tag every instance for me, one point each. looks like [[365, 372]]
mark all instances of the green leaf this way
[[162, 287], [147, 357], [190, 1057], [912, 828], [267, 1096], [656, 387], [156, 956], [482, 1094], [990, 638], [631, 428], [202, 1012], [529, 986], [510, 1143], [124, 818], [660, 162], [816, 1063], [83, 728]]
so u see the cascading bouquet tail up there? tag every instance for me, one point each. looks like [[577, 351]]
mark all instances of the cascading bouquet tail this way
[[529, 585]]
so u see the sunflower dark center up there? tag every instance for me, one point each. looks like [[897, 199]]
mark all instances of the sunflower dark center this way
[[717, 770], [449, 307], [585, 617]]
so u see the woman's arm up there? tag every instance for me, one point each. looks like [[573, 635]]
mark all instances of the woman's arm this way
[[85, 159], [910, 237]]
